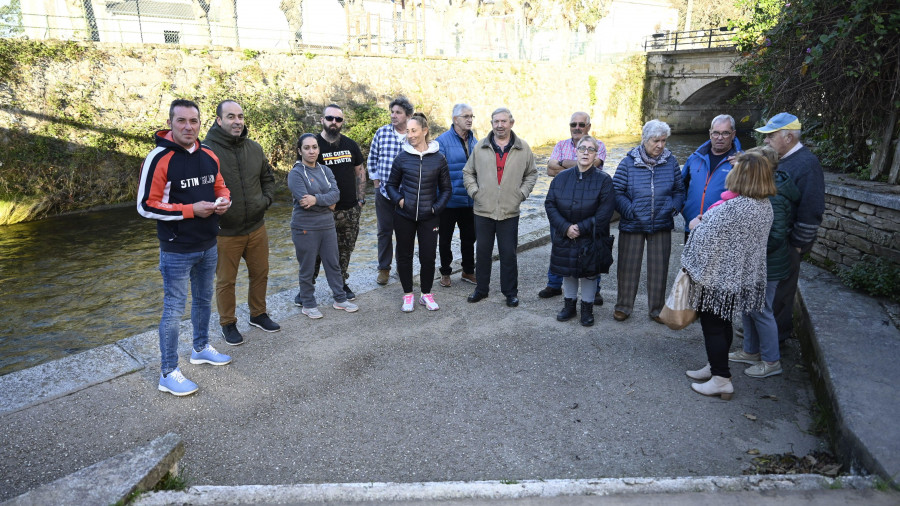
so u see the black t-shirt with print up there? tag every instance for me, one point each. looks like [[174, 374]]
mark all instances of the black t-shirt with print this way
[[342, 157]]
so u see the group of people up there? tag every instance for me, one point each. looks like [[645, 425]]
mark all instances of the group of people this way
[[209, 200]]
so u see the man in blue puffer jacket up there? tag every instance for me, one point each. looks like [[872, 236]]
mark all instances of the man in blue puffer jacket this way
[[456, 145], [704, 171], [649, 193]]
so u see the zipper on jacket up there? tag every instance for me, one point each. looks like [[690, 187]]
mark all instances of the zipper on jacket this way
[[652, 197], [419, 187]]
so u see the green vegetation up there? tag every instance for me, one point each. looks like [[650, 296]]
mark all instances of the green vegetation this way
[[18, 55], [11, 19], [877, 277], [628, 94], [834, 64], [364, 120]]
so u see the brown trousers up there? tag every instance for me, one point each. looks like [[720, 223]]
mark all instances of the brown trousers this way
[[254, 249], [628, 271]]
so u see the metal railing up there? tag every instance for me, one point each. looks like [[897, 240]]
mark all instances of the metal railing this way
[[695, 39]]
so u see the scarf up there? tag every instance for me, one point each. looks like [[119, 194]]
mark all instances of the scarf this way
[[640, 155], [725, 257]]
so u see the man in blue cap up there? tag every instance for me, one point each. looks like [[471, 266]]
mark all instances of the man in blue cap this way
[[783, 135]]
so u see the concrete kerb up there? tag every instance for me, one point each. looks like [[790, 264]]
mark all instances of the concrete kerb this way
[[490, 490], [852, 350], [112, 480]]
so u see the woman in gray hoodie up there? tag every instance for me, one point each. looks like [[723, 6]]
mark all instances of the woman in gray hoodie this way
[[315, 192]]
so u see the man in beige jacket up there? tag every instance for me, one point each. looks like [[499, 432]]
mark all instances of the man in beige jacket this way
[[499, 175]]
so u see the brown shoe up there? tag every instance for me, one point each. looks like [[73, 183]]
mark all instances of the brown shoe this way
[[469, 278], [620, 316], [445, 281], [657, 319], [383, 276]]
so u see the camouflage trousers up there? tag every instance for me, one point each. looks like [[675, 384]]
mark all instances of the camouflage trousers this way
[[346, 223]]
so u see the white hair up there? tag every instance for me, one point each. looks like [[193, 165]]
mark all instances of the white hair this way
[[654, 128], [459, 109], [720, 118]]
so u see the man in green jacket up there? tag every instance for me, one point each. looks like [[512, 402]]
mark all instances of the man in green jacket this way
[[249, 175], [499, 176]]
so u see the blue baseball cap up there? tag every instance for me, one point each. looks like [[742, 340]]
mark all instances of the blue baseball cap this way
[[781, 121]]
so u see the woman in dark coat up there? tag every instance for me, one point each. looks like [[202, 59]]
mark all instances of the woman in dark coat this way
[[649, 193], [579, 204], [419, 187]]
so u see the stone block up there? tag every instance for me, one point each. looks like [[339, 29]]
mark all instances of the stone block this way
[[842, 211], [883, 224], [112, 480], [848, 252], [858, 216], [860, 244], [819, 250], [851, 204], [879, 237], [890, 254], [829, 221], [834, 200], [854, 227], [835, 235], [866, 208], [834, 256], [888, 214]]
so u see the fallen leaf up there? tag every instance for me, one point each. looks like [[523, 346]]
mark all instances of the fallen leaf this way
[[748, 416], [769, 396], [753, 451]]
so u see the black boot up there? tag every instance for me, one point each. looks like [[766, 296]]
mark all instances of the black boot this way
[[568, 311], [587, 313]]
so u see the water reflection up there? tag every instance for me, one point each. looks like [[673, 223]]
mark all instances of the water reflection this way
[[76, 282]]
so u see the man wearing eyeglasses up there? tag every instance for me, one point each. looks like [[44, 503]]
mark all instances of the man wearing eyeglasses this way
[[563, 157], [343, 156], [456, 144], [704, 171], [243, 234]]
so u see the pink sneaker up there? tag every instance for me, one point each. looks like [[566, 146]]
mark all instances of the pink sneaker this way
[[427, 300], [408, 303]]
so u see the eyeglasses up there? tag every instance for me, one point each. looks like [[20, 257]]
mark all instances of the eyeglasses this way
[[467, 116], [582, 149], [336, 119], [579, 124], [720, 135]]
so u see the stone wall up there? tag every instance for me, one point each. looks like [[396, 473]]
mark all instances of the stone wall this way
[[862, 221], [76, 119]]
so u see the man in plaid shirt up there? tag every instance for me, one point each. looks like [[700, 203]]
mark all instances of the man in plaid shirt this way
[[385, 147], [563, 157]]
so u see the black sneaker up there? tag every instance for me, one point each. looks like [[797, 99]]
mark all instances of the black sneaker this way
[[598, 299], [232, 335], [350, 295], [548, 292], [263, 321], [297, 301]]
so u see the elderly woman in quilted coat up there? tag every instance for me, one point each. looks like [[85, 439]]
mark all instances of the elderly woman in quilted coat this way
[[579, 204], [649, 193]]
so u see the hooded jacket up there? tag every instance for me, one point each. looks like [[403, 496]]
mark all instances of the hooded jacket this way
[[248, 176], [172, 180], [422, 180], [784, 208]]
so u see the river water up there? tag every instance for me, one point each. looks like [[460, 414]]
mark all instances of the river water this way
[[76, 282]]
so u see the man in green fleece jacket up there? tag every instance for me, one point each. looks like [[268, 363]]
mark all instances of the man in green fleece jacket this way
[[243, 232]]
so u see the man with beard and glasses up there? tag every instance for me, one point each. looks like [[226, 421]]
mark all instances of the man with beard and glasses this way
[[343, 156]]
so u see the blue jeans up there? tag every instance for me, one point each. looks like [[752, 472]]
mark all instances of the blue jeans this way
[[760, 329], [176, 270], [554, 281]]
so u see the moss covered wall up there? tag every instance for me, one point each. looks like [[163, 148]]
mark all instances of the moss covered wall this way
[[76, 120]]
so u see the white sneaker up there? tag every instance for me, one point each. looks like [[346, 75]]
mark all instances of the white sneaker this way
[[427, 300], [743, 357], [763, 370], [346, 306], [312, 312], [408, 303]]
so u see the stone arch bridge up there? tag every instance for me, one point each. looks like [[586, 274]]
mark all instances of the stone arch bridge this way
[[687, 88]]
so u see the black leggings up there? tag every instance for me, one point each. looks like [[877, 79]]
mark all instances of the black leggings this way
[[406, 231], [718, 335]]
